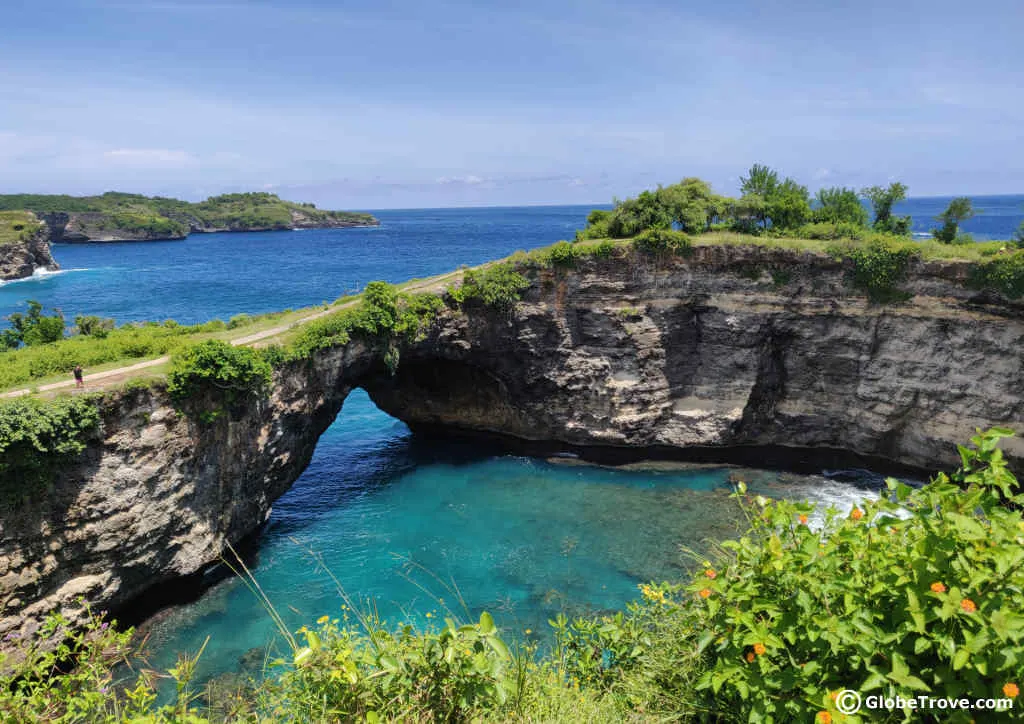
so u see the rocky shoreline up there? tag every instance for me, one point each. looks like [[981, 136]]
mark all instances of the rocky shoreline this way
[[21, 259]]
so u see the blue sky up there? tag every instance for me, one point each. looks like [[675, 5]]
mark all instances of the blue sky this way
[[416, 104]]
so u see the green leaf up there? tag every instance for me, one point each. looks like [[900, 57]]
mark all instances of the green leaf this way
[[486, 623]]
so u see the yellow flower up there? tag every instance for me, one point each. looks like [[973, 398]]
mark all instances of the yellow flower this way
[[429, 614], [323, 619], [856, 513], [968, 606], [704, 592], [802, 518], [528, 632], [824, 717], [710, 573], [759, 648], [750, 657], [938, 587], [1011, 690]]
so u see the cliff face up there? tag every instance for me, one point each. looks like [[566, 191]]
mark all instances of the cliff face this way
[[735, 347], [92, 227], [20, 259]]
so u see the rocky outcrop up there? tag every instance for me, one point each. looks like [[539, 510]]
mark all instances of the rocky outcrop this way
[[20, 259], [735, 348], [94, 226]]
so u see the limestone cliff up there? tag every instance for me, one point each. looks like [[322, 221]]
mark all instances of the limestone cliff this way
[[735, 348], [24, 254]]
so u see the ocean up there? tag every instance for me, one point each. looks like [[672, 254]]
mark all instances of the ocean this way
[[407, 525]]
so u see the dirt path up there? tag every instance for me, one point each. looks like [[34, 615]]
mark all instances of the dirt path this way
[[119, 375]]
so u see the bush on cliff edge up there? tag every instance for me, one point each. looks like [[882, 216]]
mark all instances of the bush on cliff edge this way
[[37, 437], [217, 371]]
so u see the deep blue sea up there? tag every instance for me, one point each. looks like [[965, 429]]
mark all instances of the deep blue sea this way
[[390, 514]]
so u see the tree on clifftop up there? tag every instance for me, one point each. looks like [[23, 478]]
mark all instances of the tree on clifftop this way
[[958, 211], [882, 200], [839, 205]]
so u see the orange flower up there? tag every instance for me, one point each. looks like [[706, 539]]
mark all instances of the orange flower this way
[[856, 513], [710, 573], [938, 587], [824, 717], [750, 658], [802, 518], [968, 606], [1011, 690], [704, 592], [759, 649]]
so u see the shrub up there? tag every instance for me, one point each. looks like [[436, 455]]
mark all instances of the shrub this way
[[562, 254], [1003, 274], [1018, 236], [839, 205], [920, 591], [93, 326], [240, 320], [217, 370], [604, 249], [661, 242], [879, 266], [497, 285], [831, 231], [65, 674], [383, 316], [37, 437], [434, 675]]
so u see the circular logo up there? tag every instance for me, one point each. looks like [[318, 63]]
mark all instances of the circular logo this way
[[848, 701]]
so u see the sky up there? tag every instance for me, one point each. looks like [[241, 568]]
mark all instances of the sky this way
[[412, 104]]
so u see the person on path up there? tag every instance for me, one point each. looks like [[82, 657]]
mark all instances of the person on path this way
[[79, 382]]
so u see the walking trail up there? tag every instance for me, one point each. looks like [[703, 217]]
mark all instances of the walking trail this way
[[111, 378]]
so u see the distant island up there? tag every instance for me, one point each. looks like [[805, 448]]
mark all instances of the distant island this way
[[115, 216]]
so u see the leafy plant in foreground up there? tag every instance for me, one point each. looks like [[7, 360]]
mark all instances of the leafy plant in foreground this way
[[921, 591]]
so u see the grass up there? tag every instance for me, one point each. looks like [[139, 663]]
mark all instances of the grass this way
[[16, 226], [45, 364]]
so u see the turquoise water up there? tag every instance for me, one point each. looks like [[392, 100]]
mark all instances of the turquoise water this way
[[520, 537]]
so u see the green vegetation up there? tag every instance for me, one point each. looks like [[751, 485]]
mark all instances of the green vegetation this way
[[919, 591], [496, 285], [662, 242], [838, 206], [36, 438], [216, 375], [958, 211], [140, 223], [879, 266], [882, 200], [130, 341], [33, 328], [1003, 274], [1018, 236], [136, 214], [16, 226]]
